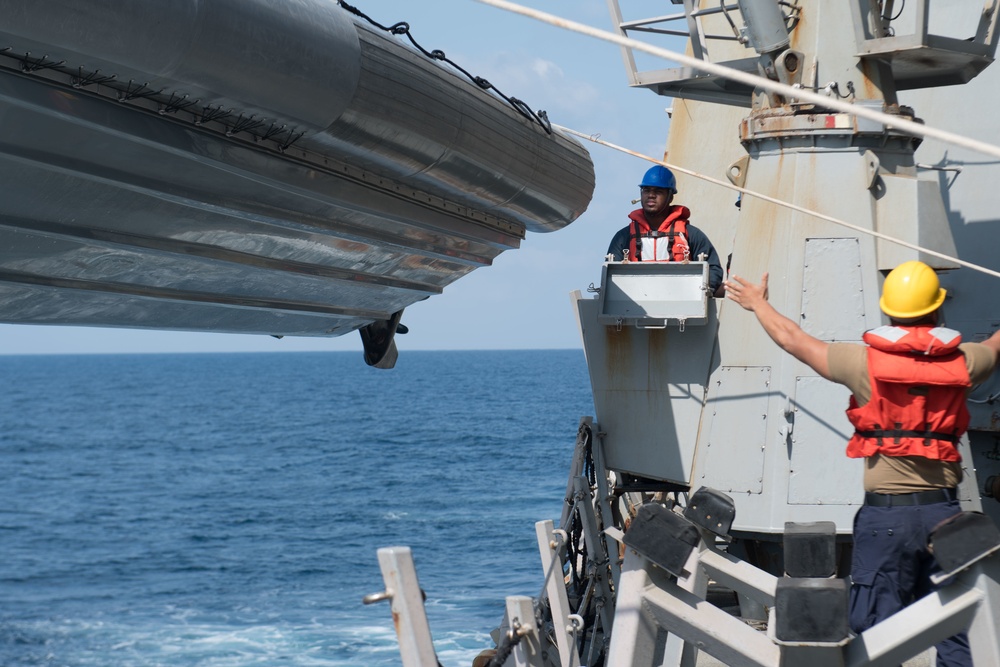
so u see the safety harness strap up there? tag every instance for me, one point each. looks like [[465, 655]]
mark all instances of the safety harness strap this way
[[637, 237], [896, 434]]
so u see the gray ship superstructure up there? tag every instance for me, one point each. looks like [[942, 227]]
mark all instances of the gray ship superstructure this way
[[714, 467]]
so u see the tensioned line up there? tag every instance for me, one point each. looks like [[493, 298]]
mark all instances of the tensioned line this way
[[779, 202], [889, 121]]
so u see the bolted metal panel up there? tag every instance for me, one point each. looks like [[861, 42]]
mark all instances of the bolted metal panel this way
[[654, 294], [819, 472], [833, 310], [649, 389], [737, 429]]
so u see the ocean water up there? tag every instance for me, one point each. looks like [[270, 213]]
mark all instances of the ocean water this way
[[225, 510]]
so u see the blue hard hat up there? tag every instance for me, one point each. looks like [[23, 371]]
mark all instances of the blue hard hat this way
[[659, 177]]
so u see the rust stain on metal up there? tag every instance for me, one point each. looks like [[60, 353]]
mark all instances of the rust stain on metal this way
[[657, 345], [772, 212], [619, 346], [871, 88], [809, 195], [796, 36]]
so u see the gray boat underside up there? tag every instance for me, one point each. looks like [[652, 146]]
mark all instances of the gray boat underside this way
[[139, 210], [99, 225]]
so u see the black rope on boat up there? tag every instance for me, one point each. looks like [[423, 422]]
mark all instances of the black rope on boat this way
[[136, 92], [244, 125], [403, 28], [29, 64], [175, 104], [541, 117], [209, 114], [272, 131], [167, 103], [292, 138], [82, 80]]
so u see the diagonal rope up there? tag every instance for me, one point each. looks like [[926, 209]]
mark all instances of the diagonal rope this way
[[888, 120], [781, 202]]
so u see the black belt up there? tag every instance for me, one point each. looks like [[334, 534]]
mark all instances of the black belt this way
[[896, 434], [910, 499]]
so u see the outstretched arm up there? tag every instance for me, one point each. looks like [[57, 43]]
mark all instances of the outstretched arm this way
[[787, 334], [993, 342]]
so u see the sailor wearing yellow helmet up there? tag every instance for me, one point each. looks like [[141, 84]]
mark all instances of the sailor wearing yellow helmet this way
[[908, 385]]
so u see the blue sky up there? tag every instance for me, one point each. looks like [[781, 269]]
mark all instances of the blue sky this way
[[522, 301]]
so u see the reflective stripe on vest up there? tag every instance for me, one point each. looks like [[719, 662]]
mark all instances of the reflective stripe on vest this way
[[667, 243]]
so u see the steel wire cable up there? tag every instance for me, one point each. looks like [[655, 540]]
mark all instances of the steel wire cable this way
[[888, 120], [780, 202], [792, 92]]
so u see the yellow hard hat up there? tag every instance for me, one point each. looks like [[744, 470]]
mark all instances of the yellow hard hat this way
[[911, 290]]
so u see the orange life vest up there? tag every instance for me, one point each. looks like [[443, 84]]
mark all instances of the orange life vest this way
[[919, 382], [667, 243]]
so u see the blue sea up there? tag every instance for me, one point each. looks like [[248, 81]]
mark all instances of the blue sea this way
[[225, 509]]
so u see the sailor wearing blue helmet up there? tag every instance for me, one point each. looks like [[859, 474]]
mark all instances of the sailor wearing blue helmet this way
[[660, 232]]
